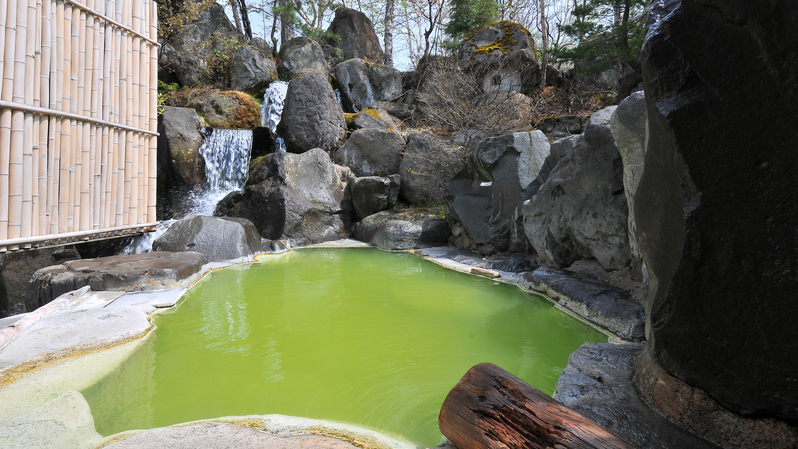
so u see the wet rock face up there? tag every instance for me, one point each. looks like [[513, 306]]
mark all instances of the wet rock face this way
[[181, 133], [312, 117], [580, 212], [358, 39], [716, 209], [362, 83], [299, 197], [482, 200]]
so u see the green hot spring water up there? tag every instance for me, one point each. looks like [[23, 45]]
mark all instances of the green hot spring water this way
[[359, 336]]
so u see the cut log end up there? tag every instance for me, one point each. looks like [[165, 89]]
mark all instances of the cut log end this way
[[491, 408]]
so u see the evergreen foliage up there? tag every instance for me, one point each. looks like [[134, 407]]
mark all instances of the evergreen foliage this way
[[467, 16], [608, 31]]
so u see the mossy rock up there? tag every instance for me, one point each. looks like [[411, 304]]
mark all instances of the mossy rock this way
[[220, 109]]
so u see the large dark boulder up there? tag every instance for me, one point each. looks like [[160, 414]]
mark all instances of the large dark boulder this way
[[580, 212], [372, 152], [428, 165], [300, 55], [184, 57], [363, 83], [134, 272], [482, 200], [299, 197], [217, 238], [716, 209], [252, 70], [357, 36], [372, 194], [181, 139], [312, 117], [16, 269], [628, 125], [413, 228]]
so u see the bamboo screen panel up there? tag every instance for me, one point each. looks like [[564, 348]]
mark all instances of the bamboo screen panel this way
[[78, 115]]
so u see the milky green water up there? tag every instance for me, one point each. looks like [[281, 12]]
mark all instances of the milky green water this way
[[360, 336]]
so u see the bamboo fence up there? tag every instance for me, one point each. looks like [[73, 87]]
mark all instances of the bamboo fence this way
[[78, 119]]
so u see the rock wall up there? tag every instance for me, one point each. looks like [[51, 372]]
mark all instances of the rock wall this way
[[716, 210]]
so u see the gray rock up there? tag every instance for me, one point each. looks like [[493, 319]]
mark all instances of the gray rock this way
[[362, 84], [183, 138], [482, 200], [628, 125], [561, 147], [217, 238], [363, 120], [580, 212], [401, 111], [592, 299], [312, 117], [16, 269], [298, 197], [357, 36], [372, 152], [504, 46], [417, 228], [370, 194], [184, 56], [222, 436], [220, 109], [428, 165], [598, 131], [252, 70], [136, 272], [598, 383], [301, 55], [570, 124], [715, 208]]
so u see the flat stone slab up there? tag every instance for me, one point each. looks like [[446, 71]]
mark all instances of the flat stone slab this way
[[598, 302], [598, 383], [135, 272], [73, 330], [223, 436]]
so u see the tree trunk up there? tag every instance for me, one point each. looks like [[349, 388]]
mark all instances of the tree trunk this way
[[245, 19], [236, 16], [388, 39], [625, 24], [286, 22], [274, 25], [544, 59], [491, 408]]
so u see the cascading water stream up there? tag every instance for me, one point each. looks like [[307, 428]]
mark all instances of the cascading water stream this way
[[272, 108], [226, 153]]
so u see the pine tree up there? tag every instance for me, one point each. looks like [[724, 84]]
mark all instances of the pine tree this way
[[467, 16]]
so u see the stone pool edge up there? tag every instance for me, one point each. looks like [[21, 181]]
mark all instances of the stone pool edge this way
[[152, 302]]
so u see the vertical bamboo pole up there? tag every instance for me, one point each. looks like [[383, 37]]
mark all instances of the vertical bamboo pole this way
[[65, 181], [31, 127], [96, 135], [130, 174], [76, 126], [119, 109], [18, 127], [56, 103], [45, 121], [153, 159], [3, 21], [107, 142], [83, 204], [136, 173], [7, 94]]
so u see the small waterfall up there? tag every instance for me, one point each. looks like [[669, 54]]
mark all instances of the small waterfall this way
[[226, 153], [272, 108]]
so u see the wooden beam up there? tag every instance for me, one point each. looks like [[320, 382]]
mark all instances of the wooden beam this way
[[491, 408]]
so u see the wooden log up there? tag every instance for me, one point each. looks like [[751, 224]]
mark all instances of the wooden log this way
[[491, 408]]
